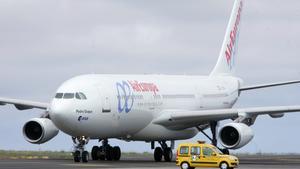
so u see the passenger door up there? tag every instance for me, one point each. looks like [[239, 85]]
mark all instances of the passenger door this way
[[106, 107]]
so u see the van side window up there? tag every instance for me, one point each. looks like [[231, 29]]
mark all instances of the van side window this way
[[195, 151], [207, 151], [184, 150]]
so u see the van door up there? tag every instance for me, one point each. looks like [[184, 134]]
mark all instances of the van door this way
[[207, 158], [195, 156]]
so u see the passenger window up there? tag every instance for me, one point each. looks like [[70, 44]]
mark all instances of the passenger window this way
[[68, 95], [59, 95], [195, 151], [207, 151], [184, 150]]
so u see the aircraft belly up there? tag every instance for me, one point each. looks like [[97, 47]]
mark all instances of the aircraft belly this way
[[156, 132]]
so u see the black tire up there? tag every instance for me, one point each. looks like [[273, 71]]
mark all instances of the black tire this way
[[168, 154], [76, 156], [94, 153], [85, 157], [224, 165], [185, 165], [101, 153], [116, 151], [158, 154], [109, 153], [225, 151]]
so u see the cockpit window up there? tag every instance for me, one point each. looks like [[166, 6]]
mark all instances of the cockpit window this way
[[59, 95], [77, 96], [80, 96], [83, 97], [68, 95]]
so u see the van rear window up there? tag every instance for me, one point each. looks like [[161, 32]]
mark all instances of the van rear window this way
[[184, 150]]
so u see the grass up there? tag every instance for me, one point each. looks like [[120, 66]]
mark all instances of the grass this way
[[4, 154], [12, 154], [9, 154]]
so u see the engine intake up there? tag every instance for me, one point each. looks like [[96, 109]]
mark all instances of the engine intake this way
[[235, 135], [39, 130]]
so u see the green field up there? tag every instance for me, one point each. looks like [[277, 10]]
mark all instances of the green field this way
[[5, 154]]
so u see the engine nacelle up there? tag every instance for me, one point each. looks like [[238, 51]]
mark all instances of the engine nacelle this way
[[235, 135], [39, 130]]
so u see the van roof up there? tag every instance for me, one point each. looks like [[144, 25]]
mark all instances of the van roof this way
[[196, 144]]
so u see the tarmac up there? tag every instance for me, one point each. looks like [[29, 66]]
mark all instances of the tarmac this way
[[246, 163]]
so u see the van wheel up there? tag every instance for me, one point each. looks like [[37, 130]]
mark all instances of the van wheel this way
[[185, 165], [224, 165]]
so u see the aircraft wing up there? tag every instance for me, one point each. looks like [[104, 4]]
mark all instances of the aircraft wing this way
[[181, 119], [24, 104], [268, 85]]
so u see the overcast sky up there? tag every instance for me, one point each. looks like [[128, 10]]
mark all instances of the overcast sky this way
[[43, 43]]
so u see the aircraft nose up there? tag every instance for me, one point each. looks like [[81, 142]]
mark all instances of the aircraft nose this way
[[59, 112]]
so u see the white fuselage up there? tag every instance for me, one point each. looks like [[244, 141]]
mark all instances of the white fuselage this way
[[124, 106]]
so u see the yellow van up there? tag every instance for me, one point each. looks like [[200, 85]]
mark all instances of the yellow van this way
[[192, 155]]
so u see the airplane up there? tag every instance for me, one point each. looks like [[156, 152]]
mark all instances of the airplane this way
[[157, 109]]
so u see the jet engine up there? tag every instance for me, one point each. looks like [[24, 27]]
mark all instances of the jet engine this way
[[39, 130], [235, 135]]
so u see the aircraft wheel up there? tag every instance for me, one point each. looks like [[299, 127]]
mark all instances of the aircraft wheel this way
[[225, 151], [76, 156], [168, 154], [94, 153], [85, 157], [101, 153], [116, 153], [109, 153], [158, 154]]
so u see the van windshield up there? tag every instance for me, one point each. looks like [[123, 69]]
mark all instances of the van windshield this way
[[217, 150]]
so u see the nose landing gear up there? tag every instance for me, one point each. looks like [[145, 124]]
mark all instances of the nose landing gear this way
[[106, 152], [79, 153]]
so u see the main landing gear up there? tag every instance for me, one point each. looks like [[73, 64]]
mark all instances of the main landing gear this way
[[79, 153], [163, 151], [213, 127], [106, 152]]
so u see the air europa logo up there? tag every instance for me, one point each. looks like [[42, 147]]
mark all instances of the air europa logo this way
[[143, 87], [126, 96], [233, 37]]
